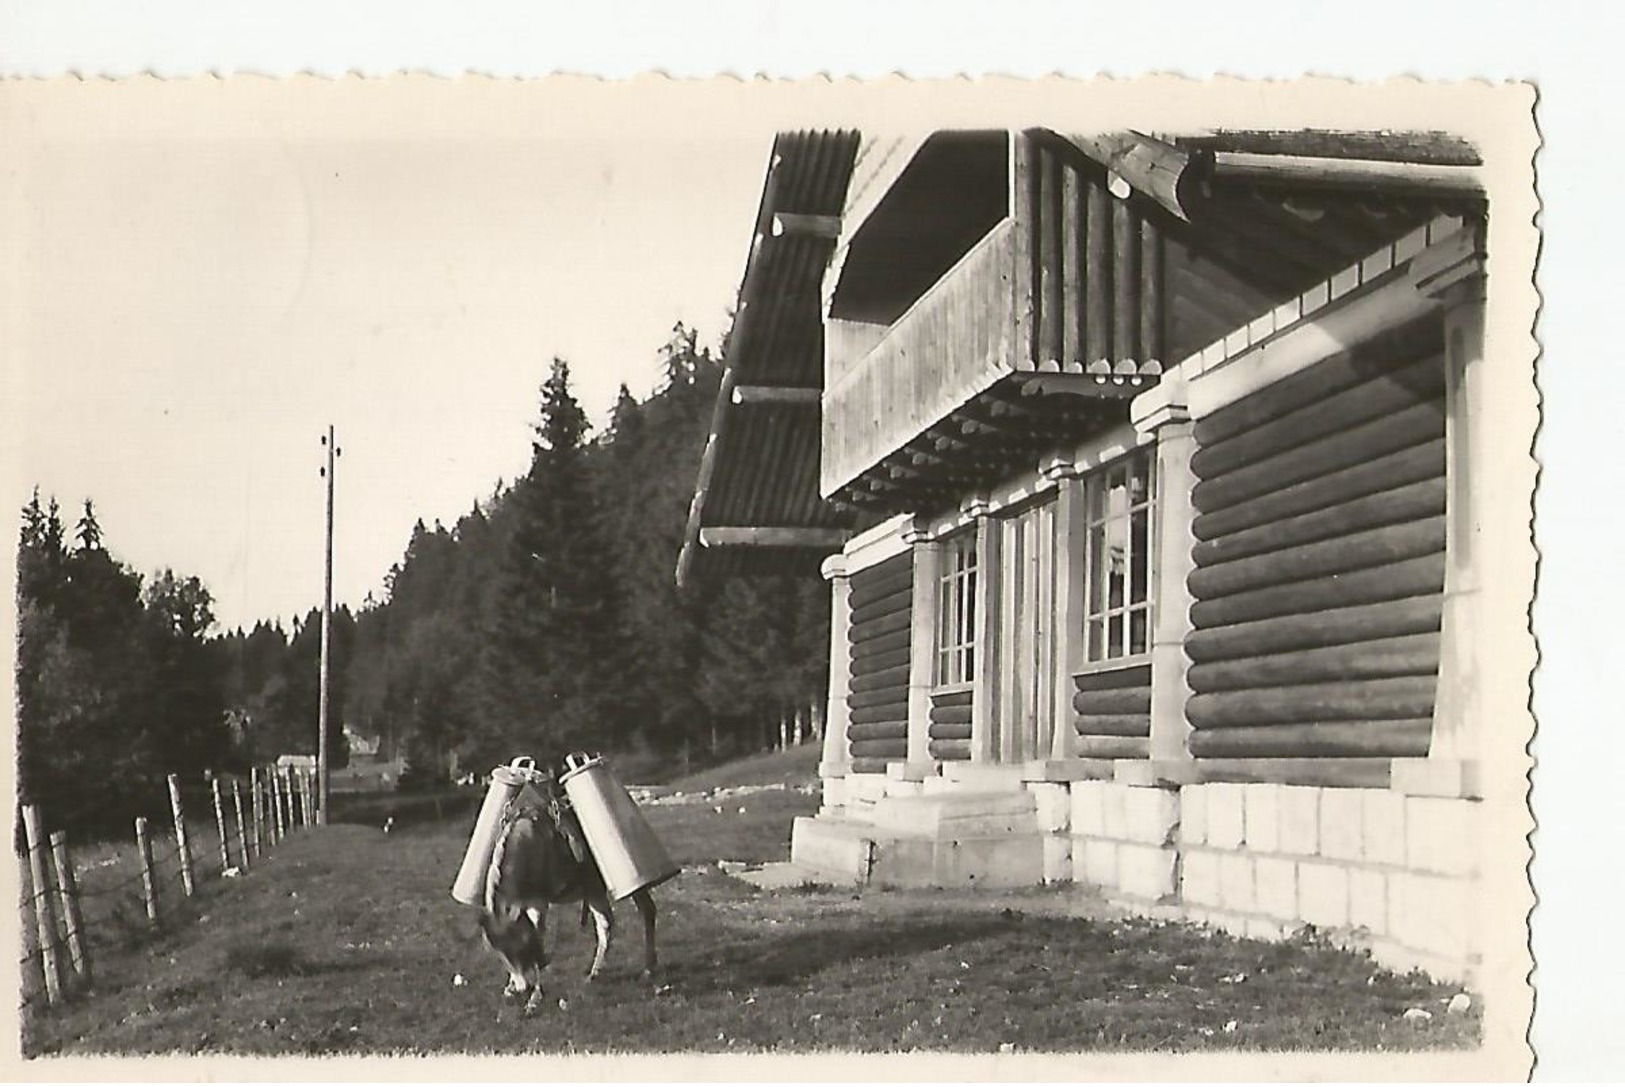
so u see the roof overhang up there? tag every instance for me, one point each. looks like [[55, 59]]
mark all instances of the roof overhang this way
[[756, 507]]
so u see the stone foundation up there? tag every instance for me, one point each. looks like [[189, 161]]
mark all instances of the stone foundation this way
[[1379, 869], [1372, 868]]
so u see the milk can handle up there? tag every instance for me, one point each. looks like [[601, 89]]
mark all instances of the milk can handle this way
[[523, 762]]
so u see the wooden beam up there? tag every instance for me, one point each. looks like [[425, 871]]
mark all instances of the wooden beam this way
[[1390, 177], [1085, 385], [1148, 165], [773, 537], [776, 394], [807, 226]]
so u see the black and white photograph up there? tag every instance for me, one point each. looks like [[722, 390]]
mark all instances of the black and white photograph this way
[[804, 579]]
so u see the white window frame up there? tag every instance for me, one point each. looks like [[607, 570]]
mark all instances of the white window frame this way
[[1101, 650], [956, 657]]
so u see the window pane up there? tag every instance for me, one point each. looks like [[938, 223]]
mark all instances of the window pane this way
[[970, 606], [1114, 635], [1140, 537], [1137, 631], [1097, 640], [1097, 587]]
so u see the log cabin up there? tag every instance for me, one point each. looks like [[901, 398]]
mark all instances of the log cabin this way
[[1140, 469]]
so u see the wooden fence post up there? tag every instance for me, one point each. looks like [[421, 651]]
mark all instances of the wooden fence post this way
[[255, 807], [290, 796], [44, 916], [312, 799], [149, 886], [67, 892], [220, 820], [183, 844], [278, 831], [242, 831]]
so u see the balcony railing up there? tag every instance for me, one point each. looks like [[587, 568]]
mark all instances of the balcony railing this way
[[953, 343], [1071, 282]]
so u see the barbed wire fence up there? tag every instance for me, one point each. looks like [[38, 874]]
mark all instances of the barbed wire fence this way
[[79, 902]]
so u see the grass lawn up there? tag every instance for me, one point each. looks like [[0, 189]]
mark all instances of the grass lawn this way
[[345, 940]]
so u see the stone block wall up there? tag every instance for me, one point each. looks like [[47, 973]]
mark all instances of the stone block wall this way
[[1394, 872], [1373, 867], [1376, 868], [1124, 839]]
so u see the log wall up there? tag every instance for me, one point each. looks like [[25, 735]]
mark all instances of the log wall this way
[[1319, 566], [878, 641], [1093, 263], [950, 724], [1112, 713]]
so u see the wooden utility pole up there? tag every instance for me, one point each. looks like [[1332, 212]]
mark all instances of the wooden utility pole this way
[[331, 442]]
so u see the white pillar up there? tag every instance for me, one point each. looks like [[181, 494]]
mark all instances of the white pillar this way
[[836, 761], [1069, 597], [1458, 711], [922, 650], [985, 686], [1167, 420]]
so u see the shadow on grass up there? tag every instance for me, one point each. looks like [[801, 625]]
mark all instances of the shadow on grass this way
[[782, 959], [276, 959]]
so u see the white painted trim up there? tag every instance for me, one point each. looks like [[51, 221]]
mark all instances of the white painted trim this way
[[875, 545]]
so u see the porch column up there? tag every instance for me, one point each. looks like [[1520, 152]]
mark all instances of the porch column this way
[[1458, 715], [985, 686], [837, 761], [1069, 597], [922, 648], [1167, 420]]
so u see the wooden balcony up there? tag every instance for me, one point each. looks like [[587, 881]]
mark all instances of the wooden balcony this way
[[952, 344], [1069, 284]]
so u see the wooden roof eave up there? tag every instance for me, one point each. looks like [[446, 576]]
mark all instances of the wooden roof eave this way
[[739, 391], [1168, 174]]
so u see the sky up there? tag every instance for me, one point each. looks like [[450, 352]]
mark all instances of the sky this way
[[210, 280]]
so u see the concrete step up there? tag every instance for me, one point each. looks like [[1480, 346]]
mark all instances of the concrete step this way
[[1004, 861], [957, 815], [839, 847], [841, 851], [984, 777], [783, 875]]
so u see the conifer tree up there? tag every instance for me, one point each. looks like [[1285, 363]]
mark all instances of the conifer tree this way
[[546, 688]]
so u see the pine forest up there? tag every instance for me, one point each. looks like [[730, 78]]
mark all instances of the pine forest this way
[[545, 620]]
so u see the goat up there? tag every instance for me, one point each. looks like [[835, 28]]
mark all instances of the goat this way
[[541, 858]]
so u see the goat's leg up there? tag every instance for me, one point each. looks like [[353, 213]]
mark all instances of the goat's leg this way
[[538, 957], [646, 909], [535, 956], [603, 919]]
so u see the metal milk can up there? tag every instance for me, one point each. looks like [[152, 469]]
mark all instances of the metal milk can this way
[[506, 781], [626, 849]]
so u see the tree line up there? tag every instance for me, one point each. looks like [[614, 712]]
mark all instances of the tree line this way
[[546, 619]]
